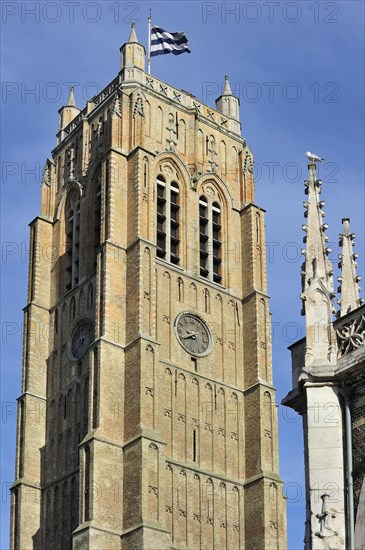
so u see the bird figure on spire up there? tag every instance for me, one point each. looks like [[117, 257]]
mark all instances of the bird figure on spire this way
[[313, 158]]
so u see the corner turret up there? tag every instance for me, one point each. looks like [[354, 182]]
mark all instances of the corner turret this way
[[132, 57], [228, 104], [67, 113]]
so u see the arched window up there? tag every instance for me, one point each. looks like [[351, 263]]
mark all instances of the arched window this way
[[168, 220], [210, 230], [72, 240]]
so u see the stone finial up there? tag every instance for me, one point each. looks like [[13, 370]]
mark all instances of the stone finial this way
[[71, 98], [227, 88], [317, 278], [133, 35], [349, 289]]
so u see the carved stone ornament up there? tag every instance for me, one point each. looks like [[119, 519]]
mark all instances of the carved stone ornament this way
[[325, 519], [138, 108], [351, 336]]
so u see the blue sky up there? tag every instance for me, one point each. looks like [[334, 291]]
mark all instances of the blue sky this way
[[298, 68]]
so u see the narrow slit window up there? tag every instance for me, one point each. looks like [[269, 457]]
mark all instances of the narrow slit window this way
[[194, 446], [72, 241], [97, 220], [87, 484]]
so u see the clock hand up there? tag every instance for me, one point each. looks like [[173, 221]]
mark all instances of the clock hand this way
[[190, 335]]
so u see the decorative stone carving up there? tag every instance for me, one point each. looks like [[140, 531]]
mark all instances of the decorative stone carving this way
[[248, 164], [351, 336], [45, 176], [325, 519], [71, 163], [213, 154], [171, 128], [138, 108], [149, 82], [116, 111], [167, 169], [177, 96]]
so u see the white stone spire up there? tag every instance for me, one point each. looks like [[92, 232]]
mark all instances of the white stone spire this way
[[349, 289], [317, 279]]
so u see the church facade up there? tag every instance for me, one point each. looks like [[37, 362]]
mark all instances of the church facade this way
[[147, 417]]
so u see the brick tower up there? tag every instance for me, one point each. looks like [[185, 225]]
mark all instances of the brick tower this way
[[147, 418]]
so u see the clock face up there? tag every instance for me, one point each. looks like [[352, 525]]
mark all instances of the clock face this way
[[193, 334], [81, 339]]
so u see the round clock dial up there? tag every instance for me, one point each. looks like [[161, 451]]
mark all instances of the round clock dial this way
[[193, 334], [81, 339]]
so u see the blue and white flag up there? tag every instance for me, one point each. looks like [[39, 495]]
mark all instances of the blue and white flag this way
[[163, 42]]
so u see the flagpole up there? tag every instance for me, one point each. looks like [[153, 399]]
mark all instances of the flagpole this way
[[149, 44]]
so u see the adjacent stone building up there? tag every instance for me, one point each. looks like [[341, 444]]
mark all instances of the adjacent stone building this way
[[328, 377], [147, 417]]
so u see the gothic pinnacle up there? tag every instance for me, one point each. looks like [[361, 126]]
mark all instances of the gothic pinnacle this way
[[133, 34], [349, 289], [317, 275]]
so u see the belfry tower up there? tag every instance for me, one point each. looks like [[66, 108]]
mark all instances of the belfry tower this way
[[147, 417]]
